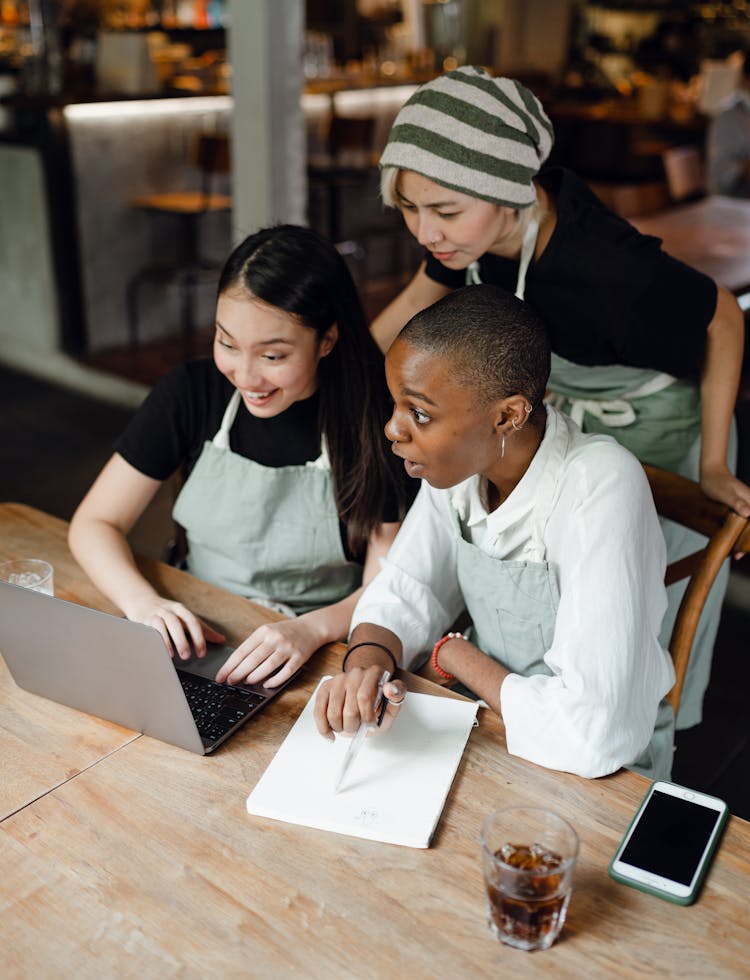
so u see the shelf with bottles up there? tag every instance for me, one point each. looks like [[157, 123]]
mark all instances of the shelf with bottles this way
[[121, 15], [166, 15]]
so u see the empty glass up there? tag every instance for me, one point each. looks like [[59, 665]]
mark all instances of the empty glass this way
[[32, 573]]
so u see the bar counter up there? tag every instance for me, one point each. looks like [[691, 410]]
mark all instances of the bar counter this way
[[74, 167], [68, 170]]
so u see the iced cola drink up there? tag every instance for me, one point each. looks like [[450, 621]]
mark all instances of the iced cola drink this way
[[528, 871]]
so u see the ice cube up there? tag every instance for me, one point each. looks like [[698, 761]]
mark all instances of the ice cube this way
[[28, 579]]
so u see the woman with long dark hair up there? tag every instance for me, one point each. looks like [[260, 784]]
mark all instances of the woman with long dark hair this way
[[291, 494]]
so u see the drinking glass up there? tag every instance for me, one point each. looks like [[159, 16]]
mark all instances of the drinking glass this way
[[528, 858], [33, 573]]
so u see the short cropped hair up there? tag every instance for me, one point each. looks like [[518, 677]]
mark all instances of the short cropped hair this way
[[497, 344]]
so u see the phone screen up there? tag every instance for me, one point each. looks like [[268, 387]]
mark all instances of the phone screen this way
[[671, 837]]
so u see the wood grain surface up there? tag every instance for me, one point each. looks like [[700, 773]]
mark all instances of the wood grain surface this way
[[147, 864], [43, 744]]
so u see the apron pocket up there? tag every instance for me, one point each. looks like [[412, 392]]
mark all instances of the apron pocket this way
[[522, 643]]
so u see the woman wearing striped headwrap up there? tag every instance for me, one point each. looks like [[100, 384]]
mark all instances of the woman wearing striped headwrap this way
[[645, 348]]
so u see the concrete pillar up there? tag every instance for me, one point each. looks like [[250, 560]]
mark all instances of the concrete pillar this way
[[268, 132]]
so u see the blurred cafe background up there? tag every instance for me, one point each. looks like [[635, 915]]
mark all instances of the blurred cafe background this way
[[139, 139]]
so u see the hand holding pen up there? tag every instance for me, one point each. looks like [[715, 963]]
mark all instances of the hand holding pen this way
[[356, 743], [348, 700]]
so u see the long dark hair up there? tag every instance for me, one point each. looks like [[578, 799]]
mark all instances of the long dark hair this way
[[298, 271]]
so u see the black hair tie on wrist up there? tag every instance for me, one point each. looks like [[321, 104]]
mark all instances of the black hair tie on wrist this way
[[365, 643]]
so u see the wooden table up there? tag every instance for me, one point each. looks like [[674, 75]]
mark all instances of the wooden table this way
[[147, 864], [712, 235], [43, 744]]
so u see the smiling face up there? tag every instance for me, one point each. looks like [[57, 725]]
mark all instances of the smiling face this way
[[456, 228], [437, 427], [268, 354]]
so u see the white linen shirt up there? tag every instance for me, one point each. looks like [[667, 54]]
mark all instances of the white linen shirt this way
[[602, 540]]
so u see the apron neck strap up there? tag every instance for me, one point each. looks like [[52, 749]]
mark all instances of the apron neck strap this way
[[473, 277], [527, 251], [472, 274], [221, 439]]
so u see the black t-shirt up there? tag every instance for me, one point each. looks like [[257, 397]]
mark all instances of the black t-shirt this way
[[185, 409], [607, 293]]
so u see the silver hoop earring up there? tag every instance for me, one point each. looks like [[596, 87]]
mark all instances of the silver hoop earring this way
[[502, 446], [527, 409], [516, 427]]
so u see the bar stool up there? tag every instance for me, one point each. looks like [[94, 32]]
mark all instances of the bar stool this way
[[211, 155], [347, 167], [348, 162]]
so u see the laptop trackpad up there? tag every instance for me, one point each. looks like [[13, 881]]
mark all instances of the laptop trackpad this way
[[216, 655]]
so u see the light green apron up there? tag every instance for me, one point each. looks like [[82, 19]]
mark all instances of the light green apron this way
[[268, 533], [513, 607], [657, 417]]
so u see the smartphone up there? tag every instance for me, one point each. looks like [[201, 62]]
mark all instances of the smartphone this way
[[668, 846]]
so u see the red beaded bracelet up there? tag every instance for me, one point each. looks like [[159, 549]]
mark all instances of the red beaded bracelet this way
[[438, 669]]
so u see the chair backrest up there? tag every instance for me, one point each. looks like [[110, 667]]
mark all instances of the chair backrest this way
[[351, 133], [685, 171], [212, 156], [682, 501]]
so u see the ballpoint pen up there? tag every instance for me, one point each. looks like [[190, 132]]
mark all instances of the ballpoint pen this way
[[356, 743]]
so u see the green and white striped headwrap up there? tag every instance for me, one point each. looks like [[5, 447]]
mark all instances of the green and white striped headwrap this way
[[480, 135]]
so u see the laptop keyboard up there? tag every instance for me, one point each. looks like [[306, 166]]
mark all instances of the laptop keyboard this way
[[217, 708]]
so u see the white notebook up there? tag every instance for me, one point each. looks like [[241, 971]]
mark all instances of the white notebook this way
[[395, 789]]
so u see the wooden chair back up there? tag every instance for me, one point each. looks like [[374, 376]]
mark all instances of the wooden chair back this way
[[682, 501], [351, 133], [212, 153], [212, 157]]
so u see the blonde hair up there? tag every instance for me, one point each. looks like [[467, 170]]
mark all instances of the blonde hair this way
[[388, 181], [524, 216]]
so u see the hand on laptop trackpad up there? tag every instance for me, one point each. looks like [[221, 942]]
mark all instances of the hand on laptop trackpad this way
[[216, 654], [208, 666]]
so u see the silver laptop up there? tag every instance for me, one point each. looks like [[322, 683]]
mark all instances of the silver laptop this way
[[121, 671]]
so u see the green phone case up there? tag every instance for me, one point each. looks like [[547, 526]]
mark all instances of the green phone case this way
[[649, 889]]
